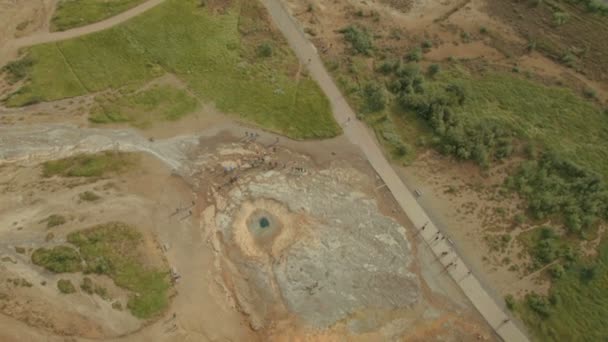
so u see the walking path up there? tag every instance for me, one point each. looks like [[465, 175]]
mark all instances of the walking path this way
[[358, 134]]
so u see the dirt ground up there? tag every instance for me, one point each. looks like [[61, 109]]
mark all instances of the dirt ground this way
[[157, 201]]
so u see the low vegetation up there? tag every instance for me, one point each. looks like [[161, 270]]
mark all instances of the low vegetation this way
[[577, 304], [113, 249], [556, 188], [60, 259], [360, 39], [160, 103], [55, 220], [89, 165], [216, 55], [17, 70], [65, 286], [89, 196], [74, 13]]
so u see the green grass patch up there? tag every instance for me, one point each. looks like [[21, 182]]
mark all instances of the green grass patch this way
[[160, 103], [89, 165], [65, 286], [215, 54], [113, 249], [58, 259], [75, 13]]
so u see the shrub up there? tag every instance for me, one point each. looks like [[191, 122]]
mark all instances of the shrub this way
[[65, 286], [590, 93], [387, 67], [375, 97], [59, 259], [588, 273], [117, 306], [538, 304], [89, 196], [569, 59], [55, 220], [560, 18], [414, 55], [510, 302], [556, 271], [433, 69], [359, 38], [264, 50], [554, 186], [17, 70], [427, 44], [87, 285]]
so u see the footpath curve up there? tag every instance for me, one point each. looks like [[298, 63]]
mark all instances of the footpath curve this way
[[358, 134], [48, 37]]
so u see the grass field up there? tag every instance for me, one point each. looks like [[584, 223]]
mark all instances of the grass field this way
[[113, 249], [160, 103], [215, 54], [89, 165], [74, 13]]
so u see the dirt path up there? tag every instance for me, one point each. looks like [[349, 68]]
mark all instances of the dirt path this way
[[47, 37], [359, 135], [9, 51]]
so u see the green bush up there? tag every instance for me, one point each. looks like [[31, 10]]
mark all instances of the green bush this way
[[89, 196], [59, 259], [510, 302], [538, 304], [553, 186], [375, 98], [560, 18], [359, 38], [55, 220], [414, 55], [65, 286], [264, 50], [87, 285], [556, 271], [433, 69], [18, 70]]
